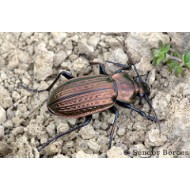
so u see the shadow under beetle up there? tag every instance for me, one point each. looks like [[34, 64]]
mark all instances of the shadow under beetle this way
[[84, 96]]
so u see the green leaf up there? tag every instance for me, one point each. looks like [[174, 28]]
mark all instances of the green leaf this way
[[175, 54], [156, 52], [186, 59], [172, 65], [165, 48], [161, 58], [178, 70]]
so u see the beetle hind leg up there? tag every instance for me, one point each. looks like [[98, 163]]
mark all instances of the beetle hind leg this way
[[113, 129], [63, 73], [86, 121]]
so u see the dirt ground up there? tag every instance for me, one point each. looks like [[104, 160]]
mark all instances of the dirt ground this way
[[36, 58]]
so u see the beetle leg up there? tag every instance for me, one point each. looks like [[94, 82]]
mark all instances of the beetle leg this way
[[63, 73], [101, 67], [129, 106], [86, 121], [124, 67], [116, 112]]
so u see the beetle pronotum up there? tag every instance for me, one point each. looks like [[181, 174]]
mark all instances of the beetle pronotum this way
[[84, 96]]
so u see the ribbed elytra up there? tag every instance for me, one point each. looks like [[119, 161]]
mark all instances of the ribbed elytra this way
[[83, 96]]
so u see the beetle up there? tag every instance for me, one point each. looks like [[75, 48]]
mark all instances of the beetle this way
[[83, 96]]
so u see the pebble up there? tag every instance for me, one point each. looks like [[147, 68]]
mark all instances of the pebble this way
[[60, 156], [3, 116], [5, 99], [118, 55], [87, 132], [59, 58], [93, 41], [84, 48], [121, 131], [1, 131], [116, 152], [82, 154], [113, 42], [58, 37], [153, 138], [15, 95], [93, 145], [43, 63]]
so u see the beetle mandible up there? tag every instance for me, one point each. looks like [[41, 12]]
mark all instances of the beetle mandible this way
[[84, 96]]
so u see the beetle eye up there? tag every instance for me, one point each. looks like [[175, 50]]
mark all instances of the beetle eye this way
[[141, 95]]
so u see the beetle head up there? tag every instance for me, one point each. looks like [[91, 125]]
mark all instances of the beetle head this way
[[143, 89]]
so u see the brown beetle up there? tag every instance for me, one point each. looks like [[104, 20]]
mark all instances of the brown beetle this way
[[84, 96]]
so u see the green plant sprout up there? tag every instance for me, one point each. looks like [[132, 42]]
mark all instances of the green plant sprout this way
[[176, 62]]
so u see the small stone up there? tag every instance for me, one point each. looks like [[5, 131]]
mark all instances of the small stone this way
[[94, 40], [81, 144], [151, 77], [53, 148], [13, 61], [15, 95], [116, 152], [68, 44], [3, 75], [180, 41], [62, 127], [59, 58], [80, 66], [118, 56], [71, 121], [139, 44], [5, 99], [18, 130], [82, 154], [58, 37], [3, 116], [5, 149], [93, 145], [153, 138], [51, 129], [60, 156], [75, 38], [113, 42], [69, 144], [84, 48], [1, 131], [43, 63], [26, 34], [24, 57], [87, 132], [121, 131]]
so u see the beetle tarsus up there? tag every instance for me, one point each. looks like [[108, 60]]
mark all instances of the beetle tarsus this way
[[129, 106], [114, 110], [86, 121]]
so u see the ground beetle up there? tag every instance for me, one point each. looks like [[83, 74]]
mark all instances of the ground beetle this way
[[84, 96]]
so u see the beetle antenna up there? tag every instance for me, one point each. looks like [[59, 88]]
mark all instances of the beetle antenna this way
[[147, 99]]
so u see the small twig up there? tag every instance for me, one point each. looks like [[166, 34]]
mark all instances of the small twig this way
[[174, 58]]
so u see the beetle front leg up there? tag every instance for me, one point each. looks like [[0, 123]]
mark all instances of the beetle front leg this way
[[86, 121], [63, 73], [143, 114], [123, 66], [101, 67], [116, 112]]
